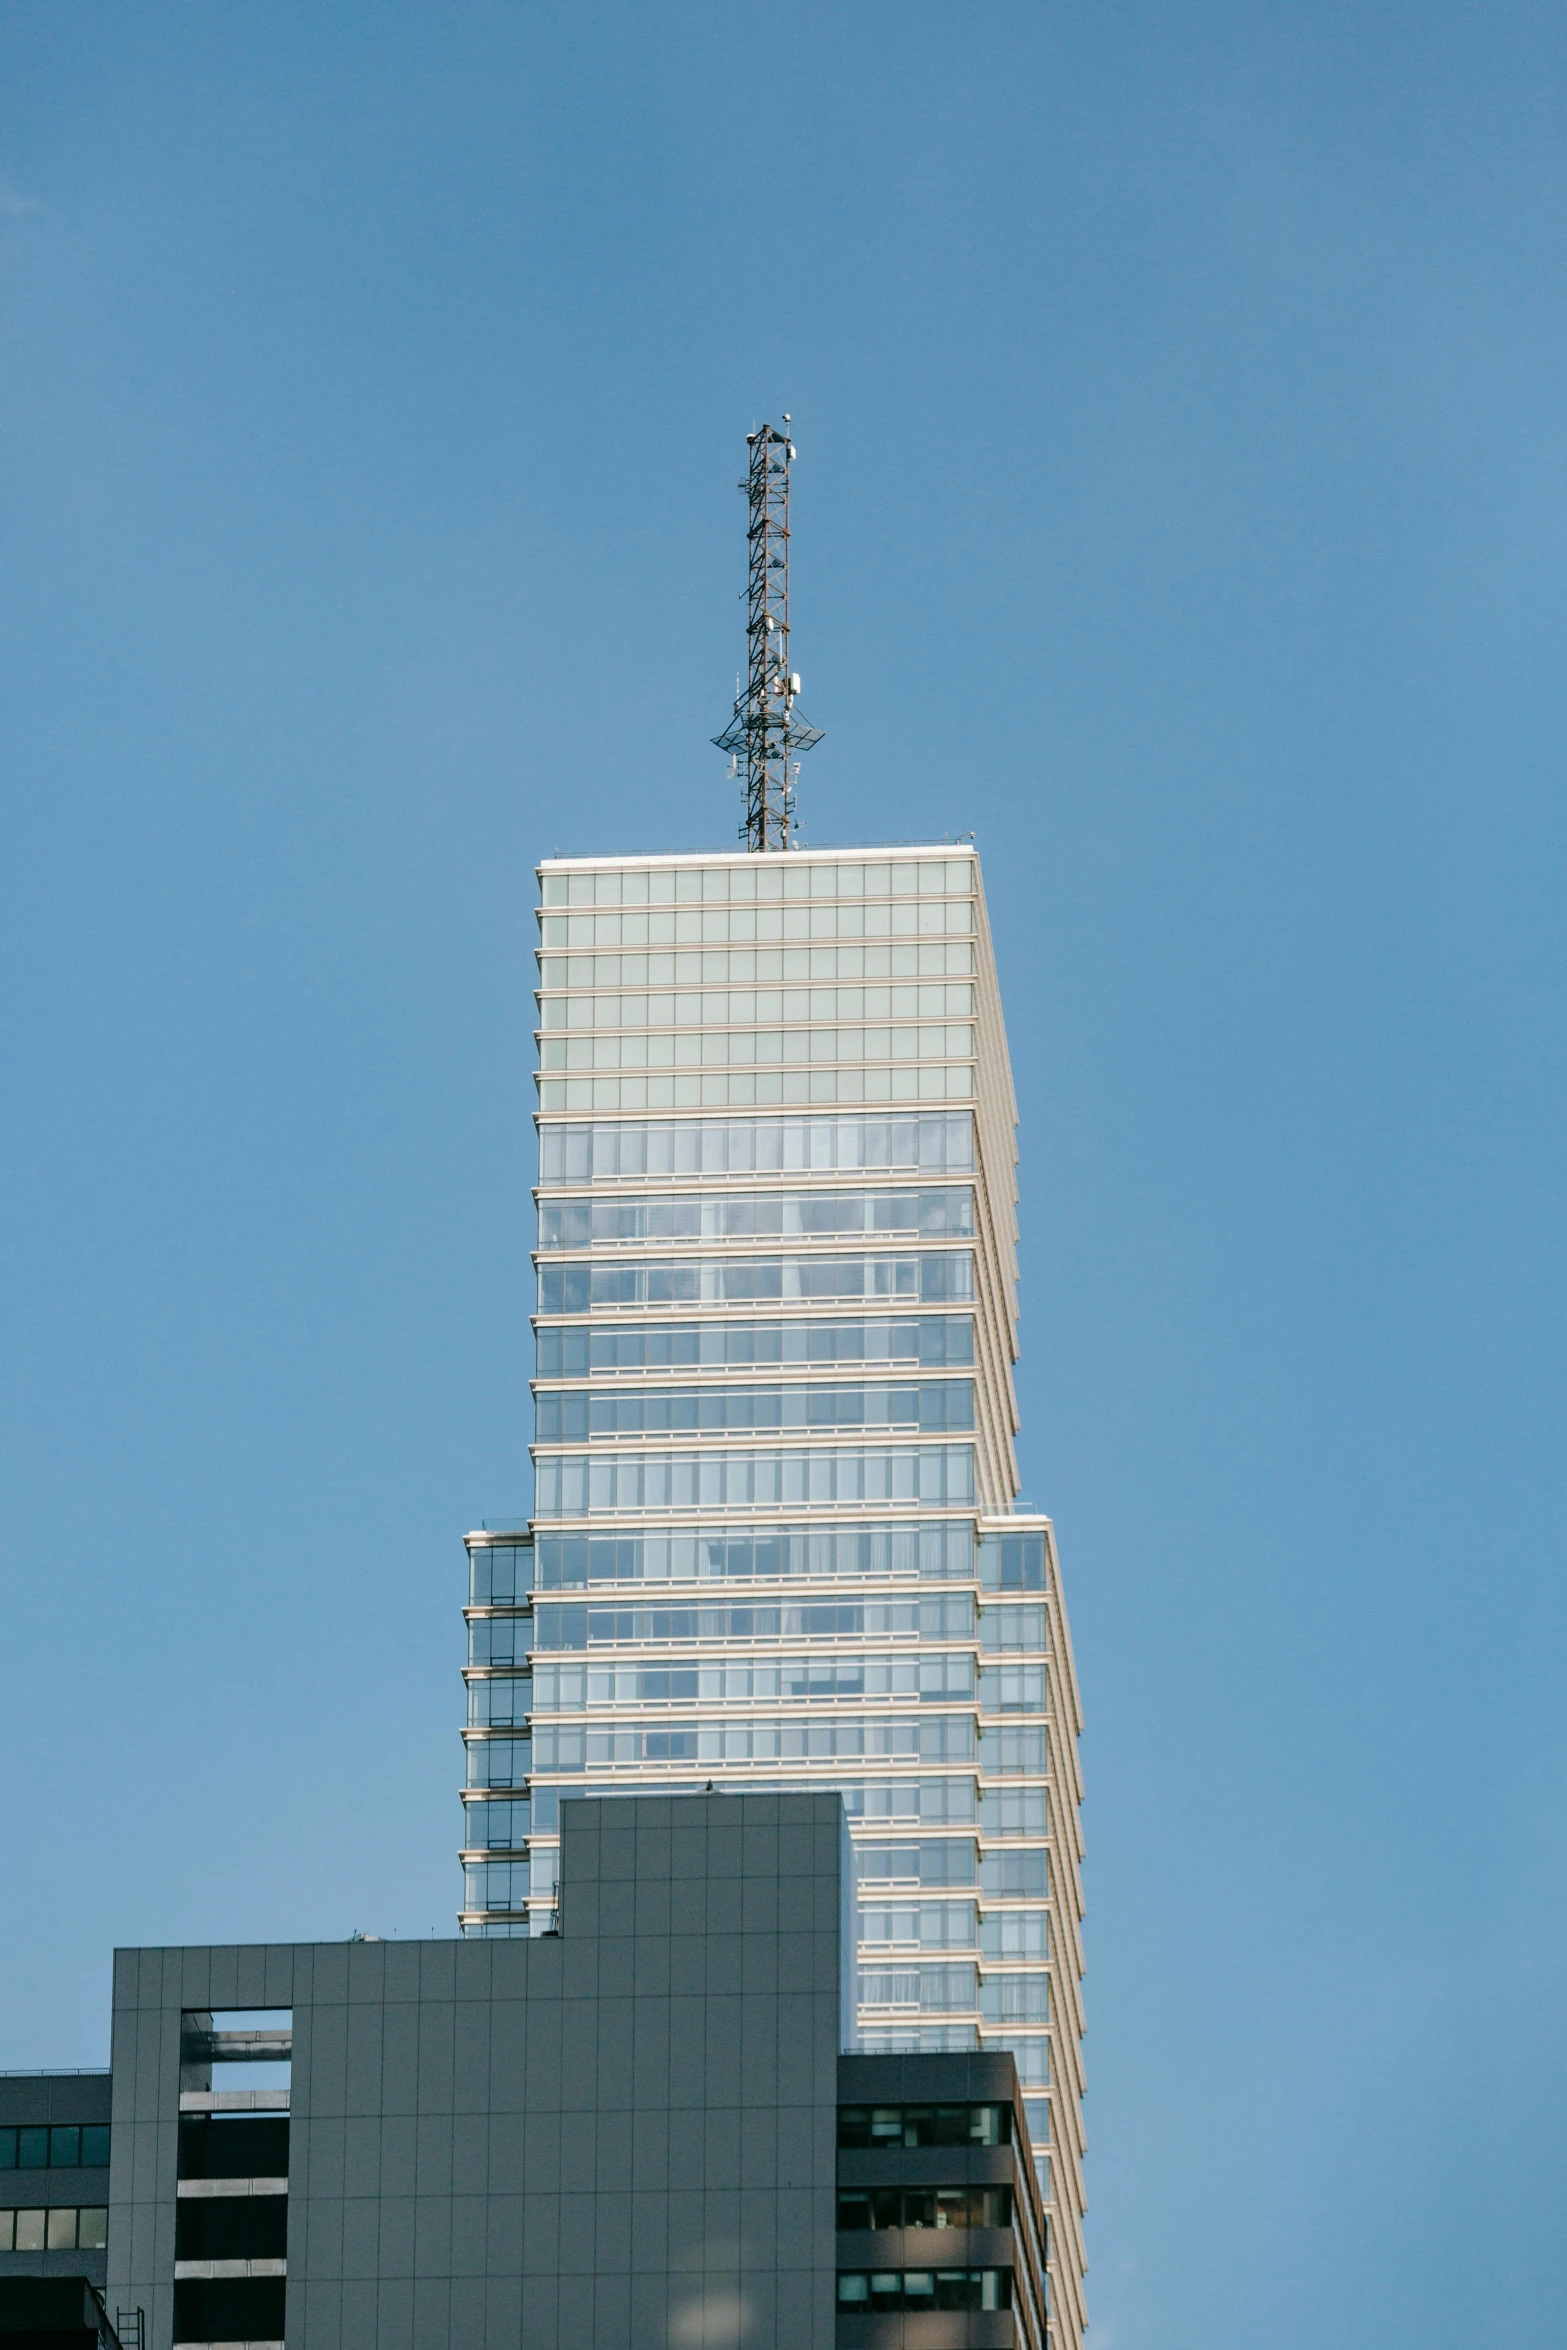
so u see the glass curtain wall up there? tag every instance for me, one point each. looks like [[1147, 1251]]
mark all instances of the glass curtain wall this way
[[775, 1541]]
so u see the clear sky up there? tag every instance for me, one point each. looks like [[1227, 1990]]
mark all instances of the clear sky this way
[[1181, 506]]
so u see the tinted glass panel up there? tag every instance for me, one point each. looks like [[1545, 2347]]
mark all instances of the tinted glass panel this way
[[924, 2125]]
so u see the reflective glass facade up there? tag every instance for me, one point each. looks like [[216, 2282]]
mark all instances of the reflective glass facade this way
[[775, 1541]]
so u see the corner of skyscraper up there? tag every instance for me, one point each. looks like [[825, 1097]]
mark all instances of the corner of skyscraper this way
[[775, 1541]]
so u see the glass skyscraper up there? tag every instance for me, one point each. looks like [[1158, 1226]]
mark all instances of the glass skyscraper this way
[[775, 1541]]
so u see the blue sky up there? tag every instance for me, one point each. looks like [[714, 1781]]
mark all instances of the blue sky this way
[[1181, 506]]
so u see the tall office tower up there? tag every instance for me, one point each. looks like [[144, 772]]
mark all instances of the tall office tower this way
[[774, 1540]]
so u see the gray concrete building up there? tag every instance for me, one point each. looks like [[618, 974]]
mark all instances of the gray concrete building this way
[[646, 2130], [54, 2175]]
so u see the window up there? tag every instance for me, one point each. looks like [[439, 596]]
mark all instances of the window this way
[[906, 2292], [495, 1884], [925, 2207], [924, 2125], [945, 1738], [499, 1573], [931, 1678], [580, 1484], [1002, 1628], [1016, 1933], [1025, 1873], [948, 1615], [498, 1640], [1009, 1754], [1005, 1689], [754, 925], [495, 1827], [498, 1762], [604, 1220], [1016, 1999], [54, 2228], [947, 1862], [1012, 1562], [571, 1415], [929, 1339], [937, 1142], [935, 1550], [926, 958], [64, 2146], [745, 880], [936, 1277], [926, 1925]]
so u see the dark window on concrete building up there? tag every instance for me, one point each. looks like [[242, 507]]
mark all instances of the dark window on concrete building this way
[[925, 2207], [924, 2125], [228, 2309], [64, 2147], [907, 2292]]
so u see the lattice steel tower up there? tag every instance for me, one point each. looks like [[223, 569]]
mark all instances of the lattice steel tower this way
[[766, 729]]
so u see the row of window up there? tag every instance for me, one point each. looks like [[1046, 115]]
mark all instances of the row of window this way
[[907, 2292], [956, 1990], [929, 1550], [571, 1414], [945, 1677], [573, 1625], [760, 1048], [750, 1007], [504, 1574], [54, 2228], [935, 1143], [928, 1339], [909, 2036], [1030, 2052], [501, 1641], [756, 925], [1005, 1937], [926, 1925], [912, 1802], [60, 2146], [717, 1089], [926, 958], [938, 1211], [924, 2125], [570, 1485], [946, 1674], [934, 1277], [746, 879], [513, 1702], [952, 1861], [943, 1738], [924, 2207], [932, 1989], [505, 1826], [1021, 1934], [1012, 1562]]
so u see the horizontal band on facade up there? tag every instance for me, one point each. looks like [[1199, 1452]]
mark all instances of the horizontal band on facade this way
[[591, 1049], [759, 1089], [757, 925]]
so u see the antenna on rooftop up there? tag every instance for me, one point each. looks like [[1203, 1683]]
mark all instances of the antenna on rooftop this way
[[766, 730]]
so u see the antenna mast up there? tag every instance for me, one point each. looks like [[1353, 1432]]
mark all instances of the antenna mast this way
[[765, 728]]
